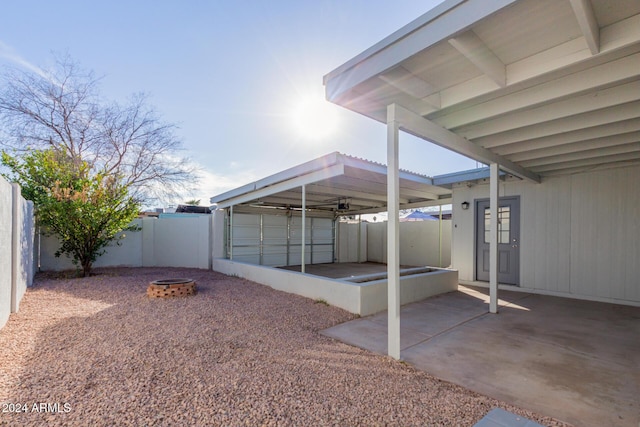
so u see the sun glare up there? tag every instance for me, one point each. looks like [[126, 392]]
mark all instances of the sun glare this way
[[314, 118]]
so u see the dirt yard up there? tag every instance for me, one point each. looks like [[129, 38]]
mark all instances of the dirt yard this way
[[97, 351]]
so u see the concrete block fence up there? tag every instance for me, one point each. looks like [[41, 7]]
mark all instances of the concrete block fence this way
[[17, 228]]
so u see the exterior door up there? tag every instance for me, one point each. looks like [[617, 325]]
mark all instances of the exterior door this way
[[508, 240]]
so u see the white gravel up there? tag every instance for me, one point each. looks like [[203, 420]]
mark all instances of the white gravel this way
[[97, 351]]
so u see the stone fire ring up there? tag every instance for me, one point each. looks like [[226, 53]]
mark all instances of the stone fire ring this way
[[169, 288]]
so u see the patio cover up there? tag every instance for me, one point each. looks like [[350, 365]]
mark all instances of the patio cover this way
[[334, 185], [531, 87]]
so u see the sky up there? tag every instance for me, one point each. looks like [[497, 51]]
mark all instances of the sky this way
[[242, 79]]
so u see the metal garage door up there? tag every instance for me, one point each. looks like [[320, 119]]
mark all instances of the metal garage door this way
[[275, 240]]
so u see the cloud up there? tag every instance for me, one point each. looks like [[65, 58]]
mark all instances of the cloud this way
[[8, 53], [211, 184]]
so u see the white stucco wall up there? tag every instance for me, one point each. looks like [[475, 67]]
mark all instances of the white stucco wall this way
[[579, 234]]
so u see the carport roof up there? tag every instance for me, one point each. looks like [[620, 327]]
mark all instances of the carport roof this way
[[541, 87], [335, 184]]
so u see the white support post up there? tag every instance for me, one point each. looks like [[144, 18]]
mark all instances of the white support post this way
[[440, 238], [494, 169], [304, 223], [393, 235], [231, 232]]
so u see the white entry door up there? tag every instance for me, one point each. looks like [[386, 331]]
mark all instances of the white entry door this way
[[508, 240]]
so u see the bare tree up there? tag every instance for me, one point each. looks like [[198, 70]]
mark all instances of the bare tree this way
[[61, 109]]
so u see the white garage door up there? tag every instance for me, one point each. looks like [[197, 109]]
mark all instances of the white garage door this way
[[275, 240]]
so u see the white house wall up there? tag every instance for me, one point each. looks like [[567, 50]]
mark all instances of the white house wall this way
[[579, 234]]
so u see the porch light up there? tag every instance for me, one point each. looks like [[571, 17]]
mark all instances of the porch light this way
[[465, 205]]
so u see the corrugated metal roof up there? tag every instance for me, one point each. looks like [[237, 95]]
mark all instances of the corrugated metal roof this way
[[335, 184]]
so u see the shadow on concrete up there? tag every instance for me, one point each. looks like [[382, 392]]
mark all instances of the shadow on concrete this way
[[577, 361]]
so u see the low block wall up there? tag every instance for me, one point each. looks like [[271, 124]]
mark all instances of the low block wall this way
[[332, 291], [412, 288], [359, 298]]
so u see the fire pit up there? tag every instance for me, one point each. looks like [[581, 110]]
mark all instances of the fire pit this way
[[168, 288]]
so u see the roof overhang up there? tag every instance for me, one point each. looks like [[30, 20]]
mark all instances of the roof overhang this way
[[335, 185], [541, 87]]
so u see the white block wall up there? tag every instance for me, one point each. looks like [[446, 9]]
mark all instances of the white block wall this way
[[16, 248], [420, 243], [176, 241]]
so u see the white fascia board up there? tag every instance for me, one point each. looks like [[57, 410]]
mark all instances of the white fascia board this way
[[588, 23], [328, 172], [394, 37], [382, 169], [426, 129], [441, 23], [383, 208], [304, 168], [462, 176]]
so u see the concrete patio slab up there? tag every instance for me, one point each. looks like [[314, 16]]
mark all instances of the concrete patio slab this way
[[578, 361]]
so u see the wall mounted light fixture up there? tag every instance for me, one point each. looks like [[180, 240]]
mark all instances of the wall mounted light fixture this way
[[465, 205]]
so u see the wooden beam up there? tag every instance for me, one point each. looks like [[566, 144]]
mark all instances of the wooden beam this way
[[582, 144], [596, 78], [426, 31], [402, 79], [430, 131], [561, 127], [476, 51], [588, 23], [614, 39], [591, 101]]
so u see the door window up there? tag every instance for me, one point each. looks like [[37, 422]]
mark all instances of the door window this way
[[504, 224]]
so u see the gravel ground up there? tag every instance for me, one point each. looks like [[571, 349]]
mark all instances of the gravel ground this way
[[96, 351]]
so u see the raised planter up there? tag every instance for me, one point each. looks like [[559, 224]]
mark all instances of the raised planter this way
[[169, 288]]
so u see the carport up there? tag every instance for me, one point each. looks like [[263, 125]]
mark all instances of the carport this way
[[271, 230], [310, 197]]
